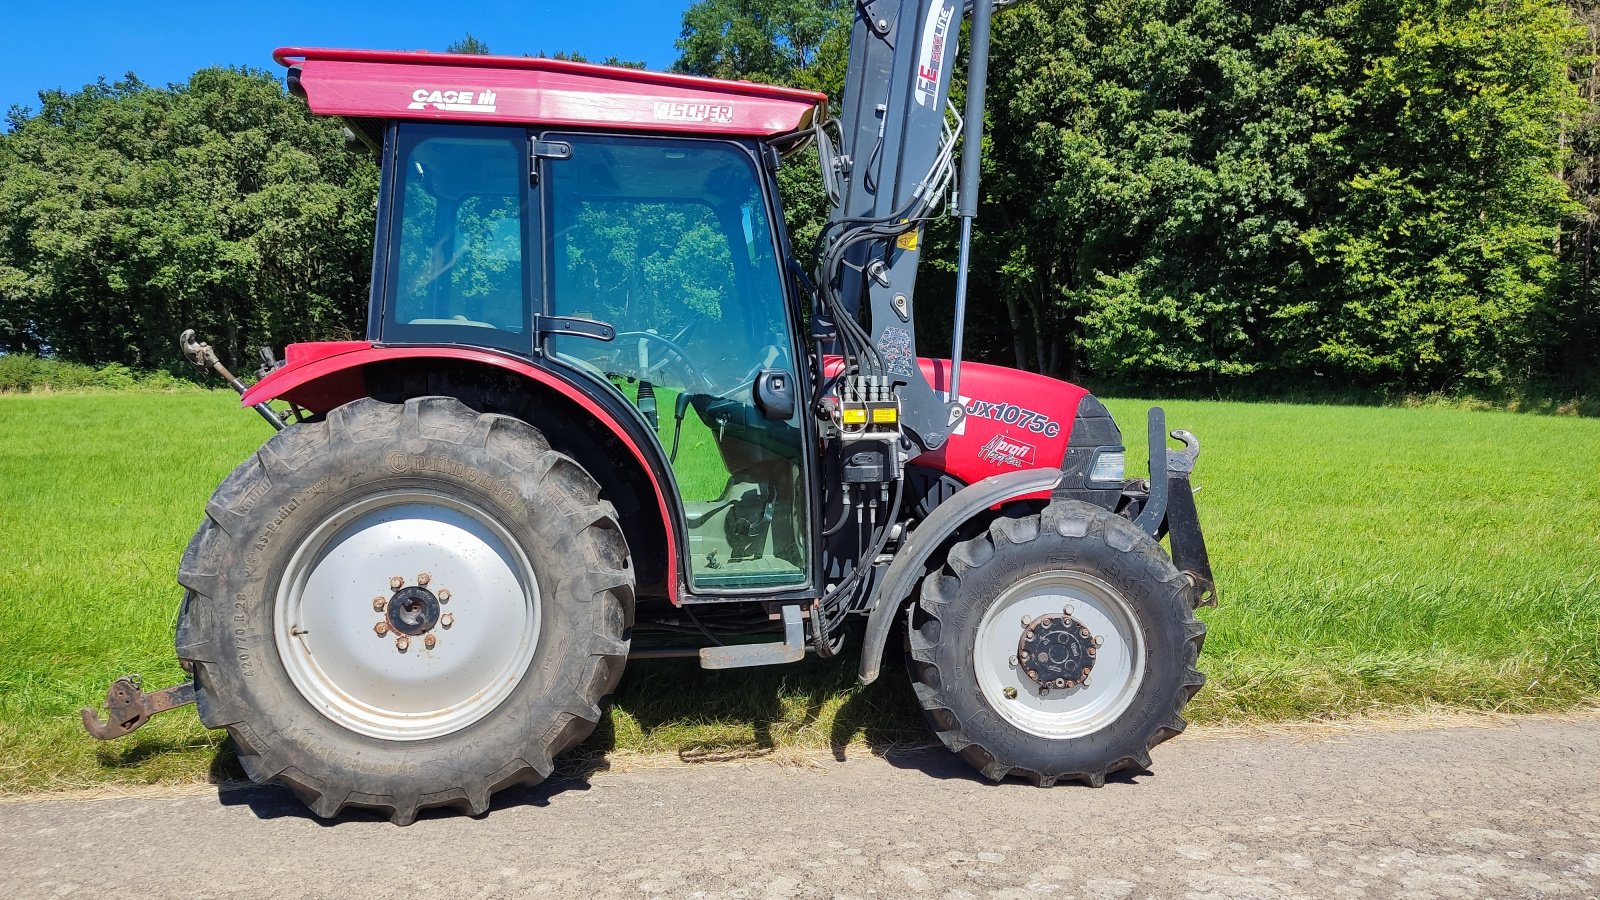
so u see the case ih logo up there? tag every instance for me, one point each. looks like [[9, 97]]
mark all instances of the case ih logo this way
[[1004, 451], [453, 101], [934, 38], [717, 113]]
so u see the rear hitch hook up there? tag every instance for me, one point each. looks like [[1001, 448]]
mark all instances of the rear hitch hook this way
[[128, 707], [200, 354]]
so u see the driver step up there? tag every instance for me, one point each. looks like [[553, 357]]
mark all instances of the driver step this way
[[737, 656]]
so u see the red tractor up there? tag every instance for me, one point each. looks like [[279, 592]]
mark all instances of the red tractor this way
[[602, 412]]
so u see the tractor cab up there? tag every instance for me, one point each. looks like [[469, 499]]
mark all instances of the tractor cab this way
[[640, 251]]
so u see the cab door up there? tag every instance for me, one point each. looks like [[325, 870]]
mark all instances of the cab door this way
[[671, 242]]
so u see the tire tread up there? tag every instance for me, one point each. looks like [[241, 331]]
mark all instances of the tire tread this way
[[593, 535], [965, 560]]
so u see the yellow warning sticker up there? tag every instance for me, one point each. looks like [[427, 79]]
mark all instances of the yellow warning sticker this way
[[908, 241]]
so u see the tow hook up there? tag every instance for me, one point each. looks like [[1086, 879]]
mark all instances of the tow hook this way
[[128, 707]]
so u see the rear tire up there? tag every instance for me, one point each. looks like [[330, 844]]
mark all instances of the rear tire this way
[[285, 579], [964, 634]]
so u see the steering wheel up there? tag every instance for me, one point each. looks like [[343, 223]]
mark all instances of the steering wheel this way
[[695, 373]]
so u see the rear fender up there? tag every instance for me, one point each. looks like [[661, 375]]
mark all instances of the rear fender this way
[[322, 376], [911, 560]]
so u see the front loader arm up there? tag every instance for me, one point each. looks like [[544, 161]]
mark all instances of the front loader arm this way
[[898, 136]]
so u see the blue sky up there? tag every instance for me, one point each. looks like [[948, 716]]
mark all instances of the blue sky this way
[[66, 44]]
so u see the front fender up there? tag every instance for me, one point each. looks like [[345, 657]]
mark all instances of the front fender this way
[[910, 562]]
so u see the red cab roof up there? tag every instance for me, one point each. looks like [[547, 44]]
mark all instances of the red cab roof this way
[[375, 84]]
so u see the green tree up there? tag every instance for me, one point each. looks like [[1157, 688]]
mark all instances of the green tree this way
[[129, 212], [1439, 265], [1574, 352], [1187, 190], [1367, 188], [469, 45], [575, 56], [757, 40]]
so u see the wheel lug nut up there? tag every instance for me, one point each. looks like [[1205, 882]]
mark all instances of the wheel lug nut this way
[[402, 643], [382, 628], [429, 641], [447, 619], [396, 583], [378, 603], [1061, 682], [423, 579], [1098, 641], [444, 595], [1011, 693], [1093, 651]]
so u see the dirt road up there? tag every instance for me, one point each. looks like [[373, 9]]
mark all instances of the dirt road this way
[[1506, 810]]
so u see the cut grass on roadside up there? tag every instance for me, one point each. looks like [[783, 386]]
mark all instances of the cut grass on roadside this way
[[1368, 559]]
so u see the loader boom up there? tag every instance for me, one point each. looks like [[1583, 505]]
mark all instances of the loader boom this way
[[897, 143]]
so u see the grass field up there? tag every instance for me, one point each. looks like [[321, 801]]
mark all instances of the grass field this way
[[1368, 558]]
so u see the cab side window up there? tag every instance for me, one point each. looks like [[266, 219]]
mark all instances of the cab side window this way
[[458, 266]]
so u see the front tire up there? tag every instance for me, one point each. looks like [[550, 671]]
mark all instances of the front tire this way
[[407, 606], [1127, 641]]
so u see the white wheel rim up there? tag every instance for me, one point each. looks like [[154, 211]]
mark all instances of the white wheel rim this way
[[324, 619], [1060, 713]]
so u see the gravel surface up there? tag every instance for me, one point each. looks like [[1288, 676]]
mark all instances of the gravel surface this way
[[1508, 809]]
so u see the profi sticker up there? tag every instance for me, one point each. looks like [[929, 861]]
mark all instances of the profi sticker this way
[[1007, 451], [935, 41], [459, 100]]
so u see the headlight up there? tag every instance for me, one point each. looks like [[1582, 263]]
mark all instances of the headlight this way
[[1108, 467]]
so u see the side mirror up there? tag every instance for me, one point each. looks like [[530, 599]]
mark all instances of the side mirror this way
[[775, 394], [828, 157]]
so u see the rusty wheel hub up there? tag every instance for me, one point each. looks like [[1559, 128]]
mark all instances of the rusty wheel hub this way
[[1056, 651], [413, 610]]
